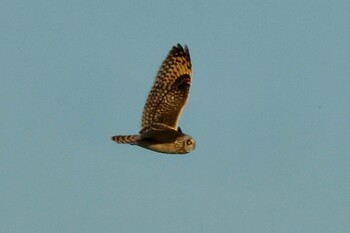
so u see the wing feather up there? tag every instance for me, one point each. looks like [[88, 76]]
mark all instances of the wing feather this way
[[170, 91]]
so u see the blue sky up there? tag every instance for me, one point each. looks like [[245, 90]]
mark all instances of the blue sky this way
[[269, 109]]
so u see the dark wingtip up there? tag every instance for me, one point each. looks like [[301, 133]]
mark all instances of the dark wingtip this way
[[179, 46], [183, 49]]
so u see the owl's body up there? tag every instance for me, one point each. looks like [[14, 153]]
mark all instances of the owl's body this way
[[159, 127], [161, 140]]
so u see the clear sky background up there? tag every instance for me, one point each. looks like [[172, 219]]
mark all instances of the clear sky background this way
[[269, 109]]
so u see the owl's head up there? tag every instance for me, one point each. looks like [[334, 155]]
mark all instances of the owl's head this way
[[185, 144]]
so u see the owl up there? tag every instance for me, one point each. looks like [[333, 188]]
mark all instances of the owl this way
[[165, 102]]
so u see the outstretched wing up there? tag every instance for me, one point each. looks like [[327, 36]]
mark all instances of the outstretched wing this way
[[170, 91]]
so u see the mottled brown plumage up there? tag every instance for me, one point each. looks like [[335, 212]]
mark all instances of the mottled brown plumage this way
[[170, 90], [165, 102]]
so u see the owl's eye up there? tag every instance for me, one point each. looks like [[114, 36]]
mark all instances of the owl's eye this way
[[189, 142]]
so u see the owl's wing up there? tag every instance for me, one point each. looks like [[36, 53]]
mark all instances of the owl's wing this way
[[170, 91]]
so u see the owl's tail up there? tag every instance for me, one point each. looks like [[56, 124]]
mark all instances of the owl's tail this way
[[128, 139]]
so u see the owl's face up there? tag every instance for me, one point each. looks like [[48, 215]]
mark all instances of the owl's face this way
[[185, 144]]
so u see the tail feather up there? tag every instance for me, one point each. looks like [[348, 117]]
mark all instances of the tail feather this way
[[128, 139]]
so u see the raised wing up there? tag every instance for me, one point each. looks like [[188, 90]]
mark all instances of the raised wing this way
[[170, 91]]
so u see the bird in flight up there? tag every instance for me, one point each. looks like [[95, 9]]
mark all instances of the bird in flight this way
[[165, 102]]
